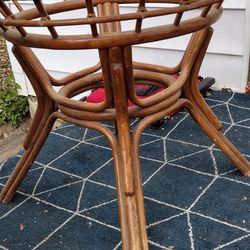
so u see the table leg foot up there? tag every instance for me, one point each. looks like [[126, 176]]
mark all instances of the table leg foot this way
[[219, 139]]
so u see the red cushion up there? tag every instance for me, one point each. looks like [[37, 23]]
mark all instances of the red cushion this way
[[98, 95]]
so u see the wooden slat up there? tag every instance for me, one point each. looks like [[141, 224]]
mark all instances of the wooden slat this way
[[18, 5], [178, 18], [141, 9], [45, 16], [3, 13], [10, 15], [108, 11], [205, 11], [113, 18], [116, 12], [180, 14], [3, 27], [91, 14], [101, 13]]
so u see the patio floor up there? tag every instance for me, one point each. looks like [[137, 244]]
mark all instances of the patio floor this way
[[194, 197]]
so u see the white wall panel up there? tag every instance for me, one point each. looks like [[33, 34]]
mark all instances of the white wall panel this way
[[67, 61], [235, 4], [14, 64], [21, 80]]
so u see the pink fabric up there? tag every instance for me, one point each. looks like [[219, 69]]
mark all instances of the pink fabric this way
[[98, 95]]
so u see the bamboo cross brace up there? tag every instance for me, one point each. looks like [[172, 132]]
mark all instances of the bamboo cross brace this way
[[2, 12], [45, 16], [205, 11], [218, 5], [91, 14], [141, 9], [18, 5], [180, 14], [8, 13]]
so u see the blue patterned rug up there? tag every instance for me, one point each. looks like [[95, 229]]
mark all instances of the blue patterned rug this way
[[194, 197]]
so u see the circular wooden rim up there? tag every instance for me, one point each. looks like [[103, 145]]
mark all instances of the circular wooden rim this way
[[28, 18]]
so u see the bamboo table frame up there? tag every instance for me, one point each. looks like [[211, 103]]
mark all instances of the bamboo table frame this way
[[117, 73]]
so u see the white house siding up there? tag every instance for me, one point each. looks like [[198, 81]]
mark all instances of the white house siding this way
[[227, 59]]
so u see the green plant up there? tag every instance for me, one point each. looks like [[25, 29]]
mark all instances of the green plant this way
[[12, 106]]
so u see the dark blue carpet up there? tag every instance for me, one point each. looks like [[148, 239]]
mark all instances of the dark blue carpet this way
[[194, 197]]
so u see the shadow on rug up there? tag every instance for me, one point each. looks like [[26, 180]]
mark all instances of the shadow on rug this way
[[194, 197]]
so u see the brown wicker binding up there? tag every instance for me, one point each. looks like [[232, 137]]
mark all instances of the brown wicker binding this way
[[117, 73]]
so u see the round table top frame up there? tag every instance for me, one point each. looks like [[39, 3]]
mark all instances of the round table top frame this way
[[41, 17]]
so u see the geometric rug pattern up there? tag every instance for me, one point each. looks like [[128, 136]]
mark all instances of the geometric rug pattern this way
[[194, 197]]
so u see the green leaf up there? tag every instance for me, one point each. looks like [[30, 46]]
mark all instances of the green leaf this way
[[12, 106]]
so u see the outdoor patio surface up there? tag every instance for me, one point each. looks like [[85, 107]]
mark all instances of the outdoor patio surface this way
[[194, 197]]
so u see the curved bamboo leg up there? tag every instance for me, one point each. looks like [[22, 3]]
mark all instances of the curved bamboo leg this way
[[204, 116], [131, 204], [26, 161], [135, 145], [123, 203], [219, 139], [38, 132], [191, 91], [39, 119]]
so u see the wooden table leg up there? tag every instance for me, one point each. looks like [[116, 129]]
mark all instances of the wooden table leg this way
[[134, 234], [24, 164], [205, 117]]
